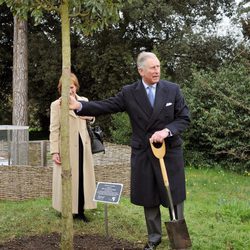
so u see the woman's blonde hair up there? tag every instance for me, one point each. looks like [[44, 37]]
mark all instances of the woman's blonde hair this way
[[73, 80]]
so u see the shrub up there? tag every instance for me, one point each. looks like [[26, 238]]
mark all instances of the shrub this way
[[120, 129], [219, 102]]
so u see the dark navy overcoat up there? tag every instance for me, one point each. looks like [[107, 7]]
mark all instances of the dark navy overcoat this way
[[170, 111]]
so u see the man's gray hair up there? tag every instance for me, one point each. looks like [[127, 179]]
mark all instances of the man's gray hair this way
[[142, 57]]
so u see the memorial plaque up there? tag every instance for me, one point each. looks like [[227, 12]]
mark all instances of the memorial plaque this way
[[108, 192]]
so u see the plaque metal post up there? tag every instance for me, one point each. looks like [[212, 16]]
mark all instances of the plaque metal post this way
[[106, 219]]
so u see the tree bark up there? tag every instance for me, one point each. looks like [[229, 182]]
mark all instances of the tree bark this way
[[20, 73], [19, 145], [67, 221]]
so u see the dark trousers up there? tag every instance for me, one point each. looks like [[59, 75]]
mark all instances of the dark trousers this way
[[80, 182], [153, 220]]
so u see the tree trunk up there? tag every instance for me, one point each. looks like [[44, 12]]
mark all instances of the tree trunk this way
[[67, 221], [19, 144], [20, 73]]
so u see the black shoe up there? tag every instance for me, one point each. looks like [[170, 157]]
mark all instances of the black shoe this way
[[151, 245], [85, 219], [59, 214], [81, 217]]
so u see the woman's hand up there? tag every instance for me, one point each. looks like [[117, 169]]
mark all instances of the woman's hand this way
[[56, 158], [88, 118]]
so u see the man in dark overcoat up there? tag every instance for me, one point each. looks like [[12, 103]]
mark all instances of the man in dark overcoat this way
[[157, 112]]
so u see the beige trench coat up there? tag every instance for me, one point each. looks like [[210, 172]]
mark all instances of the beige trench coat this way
[[77, 125]]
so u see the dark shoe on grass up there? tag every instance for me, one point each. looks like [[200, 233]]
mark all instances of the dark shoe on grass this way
[[151, 245], [81, 217]]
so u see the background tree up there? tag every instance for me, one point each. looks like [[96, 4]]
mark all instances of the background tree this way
[[20, 72], [19, 87], [20, 66]]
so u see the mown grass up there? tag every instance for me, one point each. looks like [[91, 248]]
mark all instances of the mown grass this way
[[217, 214]]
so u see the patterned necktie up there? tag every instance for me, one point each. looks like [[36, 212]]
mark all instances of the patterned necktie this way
[[151, 96]]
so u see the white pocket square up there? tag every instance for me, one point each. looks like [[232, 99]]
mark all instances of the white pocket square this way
[[168, 104]]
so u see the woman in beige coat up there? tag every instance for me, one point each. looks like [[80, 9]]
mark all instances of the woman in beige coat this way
[[83, 176]]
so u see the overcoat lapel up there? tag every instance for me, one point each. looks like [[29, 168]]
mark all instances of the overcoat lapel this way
[[142, 99]]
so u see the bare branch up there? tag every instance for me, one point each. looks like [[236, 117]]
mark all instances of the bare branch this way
[[79, 14]]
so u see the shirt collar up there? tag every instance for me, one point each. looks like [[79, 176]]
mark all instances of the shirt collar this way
[[147, 85]]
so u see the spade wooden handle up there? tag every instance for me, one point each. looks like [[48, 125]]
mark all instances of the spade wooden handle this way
[[164, 173]]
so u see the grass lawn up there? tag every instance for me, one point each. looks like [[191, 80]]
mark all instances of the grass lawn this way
[[217, 214]]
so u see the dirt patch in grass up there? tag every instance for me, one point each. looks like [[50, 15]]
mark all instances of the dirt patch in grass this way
[[52, 242]]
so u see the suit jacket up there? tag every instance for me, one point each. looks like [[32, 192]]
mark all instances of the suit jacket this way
[[170, 111]]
